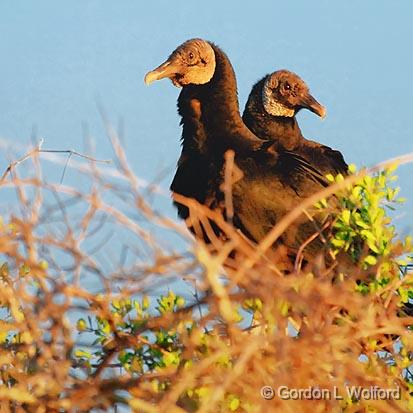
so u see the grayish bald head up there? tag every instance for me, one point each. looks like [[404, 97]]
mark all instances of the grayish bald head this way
[[284, 93]]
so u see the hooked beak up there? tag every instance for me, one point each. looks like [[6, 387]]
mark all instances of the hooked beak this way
[[308, 102], [167, 69]]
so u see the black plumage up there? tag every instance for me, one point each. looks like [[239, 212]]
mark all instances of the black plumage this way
[[273, 181], [270, 114]]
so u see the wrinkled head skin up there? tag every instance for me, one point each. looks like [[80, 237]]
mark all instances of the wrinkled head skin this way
[[285, 93], [193, 62]]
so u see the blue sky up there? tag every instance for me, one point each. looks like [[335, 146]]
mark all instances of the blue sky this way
[[57, 58]]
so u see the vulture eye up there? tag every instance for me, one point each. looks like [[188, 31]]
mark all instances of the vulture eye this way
[[191, 55], [287, 86]]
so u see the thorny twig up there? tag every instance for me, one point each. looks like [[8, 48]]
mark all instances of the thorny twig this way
[[38, 149]]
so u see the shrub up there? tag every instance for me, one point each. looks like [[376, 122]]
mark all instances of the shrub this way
[[98, 313]]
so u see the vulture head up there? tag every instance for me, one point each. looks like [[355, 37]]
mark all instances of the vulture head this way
[[193, 62], [284, 93]]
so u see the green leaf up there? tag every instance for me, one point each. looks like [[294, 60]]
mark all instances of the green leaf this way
[[83, 354], [370, 260], [404, 295], [81, 325], [233, 403], [352, 168], [345, 216]]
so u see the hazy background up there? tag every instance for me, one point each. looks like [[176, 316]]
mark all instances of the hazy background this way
[[57, 58]]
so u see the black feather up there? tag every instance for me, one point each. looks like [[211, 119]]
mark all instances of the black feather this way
[[274, 180]]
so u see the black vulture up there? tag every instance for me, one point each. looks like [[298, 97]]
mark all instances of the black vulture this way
[[270, 114], [271, 181]]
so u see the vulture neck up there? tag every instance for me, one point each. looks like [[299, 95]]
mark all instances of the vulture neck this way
[[218, 119], [282, 130], [220, 105]]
